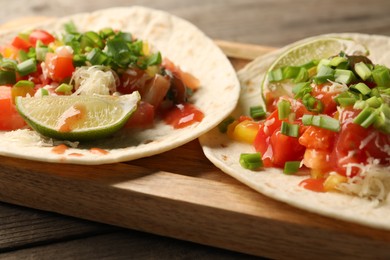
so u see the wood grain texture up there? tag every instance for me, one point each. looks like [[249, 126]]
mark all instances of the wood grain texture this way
[[219, 211], [223, 214], [262, 22]]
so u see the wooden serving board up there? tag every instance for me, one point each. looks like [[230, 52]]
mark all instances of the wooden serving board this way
[[181, 194]]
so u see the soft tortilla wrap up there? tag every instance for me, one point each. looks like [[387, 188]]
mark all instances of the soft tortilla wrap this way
[[225, 153], [177, 40]]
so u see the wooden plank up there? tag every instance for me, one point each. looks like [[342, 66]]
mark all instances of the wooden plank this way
[[188, 199], [242, 50], [124, 245], [225, 215], [21, 227]]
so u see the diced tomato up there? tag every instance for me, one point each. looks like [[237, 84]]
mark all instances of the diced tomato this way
[[132, 80], [317, 138], [183, 115], [41, 35], [59, 67], [356, 144], [9, 117], [21, 43], [188, 79], [262, 139], [143, 117], [285, 148], [327, 98]]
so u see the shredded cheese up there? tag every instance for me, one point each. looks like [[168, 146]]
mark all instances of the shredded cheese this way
[[373, 181], [94, 80]]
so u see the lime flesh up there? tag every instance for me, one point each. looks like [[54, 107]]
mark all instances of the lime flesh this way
[[316, 49], [77, 118]]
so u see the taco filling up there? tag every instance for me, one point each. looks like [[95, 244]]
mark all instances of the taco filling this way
[[105, 62], [334, 126]]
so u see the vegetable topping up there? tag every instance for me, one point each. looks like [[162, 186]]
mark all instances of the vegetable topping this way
[[106, 62], [336, 122]]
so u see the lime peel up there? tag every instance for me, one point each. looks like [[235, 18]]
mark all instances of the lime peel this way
[[77, 118]]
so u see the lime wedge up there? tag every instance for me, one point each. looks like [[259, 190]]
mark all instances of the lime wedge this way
[[77, 118], [315, 49]]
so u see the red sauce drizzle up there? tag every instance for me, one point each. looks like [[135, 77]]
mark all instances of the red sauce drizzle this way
[[98, 151], [76, 154], [70, 117], [313, 184], [59, 149], [183, 115]]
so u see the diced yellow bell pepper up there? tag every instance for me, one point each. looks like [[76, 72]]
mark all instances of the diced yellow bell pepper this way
[[245, 131], [145, 48], [333, 180]]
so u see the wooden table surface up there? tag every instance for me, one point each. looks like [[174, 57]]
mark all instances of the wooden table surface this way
[[35, 234]]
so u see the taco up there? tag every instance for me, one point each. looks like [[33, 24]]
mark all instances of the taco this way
[[126, 51], [358, 191]]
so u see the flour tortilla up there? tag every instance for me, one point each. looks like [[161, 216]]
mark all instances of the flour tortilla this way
[[177, 40], [224, 153]]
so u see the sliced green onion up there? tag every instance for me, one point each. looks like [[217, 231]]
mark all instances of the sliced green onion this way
[[96, 57], [70, 27], [289, 129], [375, 92], [284, 109], [374, 102], [301, 89], [275, 75], [307, 119], [381, 76], [310, 64], [223, 126], [22, 55], [26, 67], [366, 117], [251, 161], [7, 77], [119, 51], [42, 92], [41, 52], [291, 167], [362, 70], [124, 36], [106, 32], [329, 123], [257, 112], [154, 59], [362, 88], [302, 76], [64, 88], [322, 121], [290, 72], [92, 39], [8, 64], [79, 60], [324, 74], [24, 83], [344, 76], [383, 121], [323, 62], [336, 61], [312, 104], [346, 101]]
